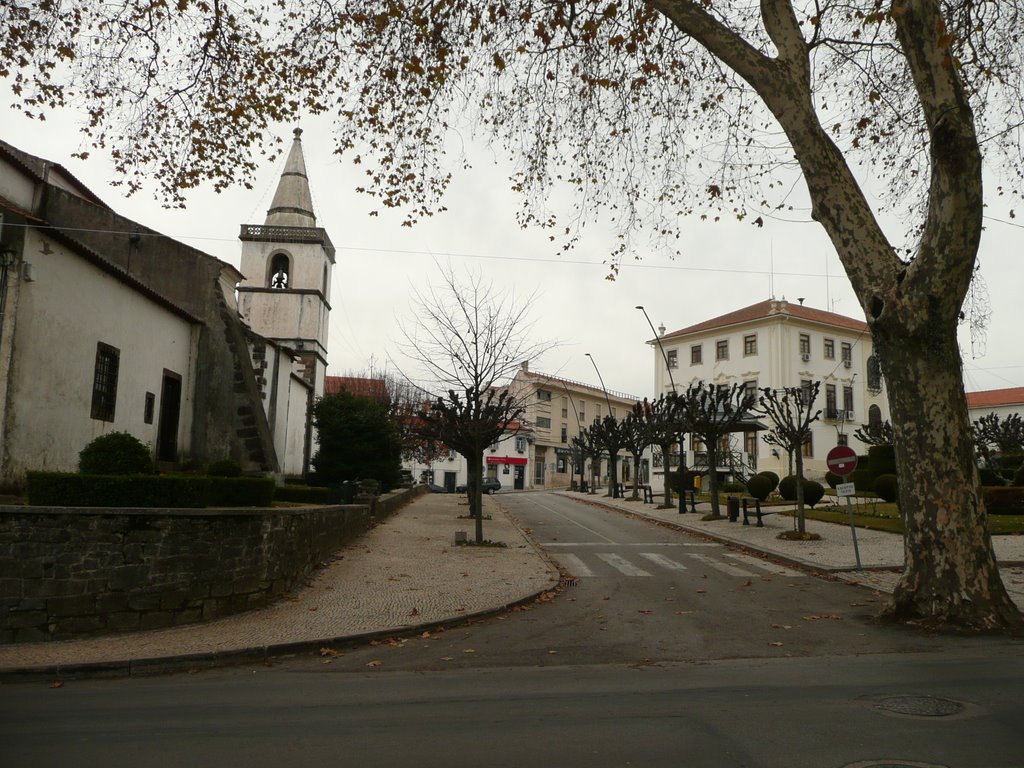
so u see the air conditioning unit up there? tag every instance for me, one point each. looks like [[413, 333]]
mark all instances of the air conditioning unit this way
[[848, 415], [847, 364], [805, 357]]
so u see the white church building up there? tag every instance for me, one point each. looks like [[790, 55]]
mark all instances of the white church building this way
[[106, 325]]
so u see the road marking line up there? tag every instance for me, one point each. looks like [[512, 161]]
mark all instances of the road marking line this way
[[701, 544], [621, 564], [778, 570], [569, 519], [663, 561], [574, 565], [718, 565]]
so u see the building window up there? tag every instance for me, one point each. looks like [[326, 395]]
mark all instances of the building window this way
[[830, 401], [583, 411], [750, 391], [874, 374], [805, 344], [750, 345], [848, 401], [104, 382], [613, 413], [809, 447], [722, 349], [673, 358], [696, 444], [565, 434], [147, 415], [696, 354], [565, 407], [279, 271], [561, 465], [830, 349], [847, 351], [543, 395], [875, 417], [750, 442], [520, 444], [544, 422], [805, 390]]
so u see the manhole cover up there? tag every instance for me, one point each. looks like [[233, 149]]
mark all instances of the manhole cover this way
[[920, 706]]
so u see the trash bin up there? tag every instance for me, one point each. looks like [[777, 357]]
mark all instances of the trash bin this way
[[734, 508]]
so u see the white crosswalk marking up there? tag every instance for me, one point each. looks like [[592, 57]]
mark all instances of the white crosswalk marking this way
[[622, 565], [664, 562], [718, 565], [778, 570], [575, 566]]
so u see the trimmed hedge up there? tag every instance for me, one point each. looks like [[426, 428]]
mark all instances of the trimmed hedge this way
[[732, 488], [58, 489], [886, 487], [224, 468], [1004, 500], [833, 479], [990, 476], [862, 479], [240, 492], [304, 494], [882, 460]]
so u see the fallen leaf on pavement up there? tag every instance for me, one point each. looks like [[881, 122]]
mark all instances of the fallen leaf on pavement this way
[[684, 613], [373, 663], [747, 583], [781, 626], [701, 591], [446, 658], [468, 650], [644, 611], [313, 608], [776, 644], [414, 611], [57, 684], [819, 617], [552, 652]]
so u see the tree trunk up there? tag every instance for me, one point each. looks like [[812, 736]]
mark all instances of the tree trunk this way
[[665, 465], [801, 523], [636, 476], [475, 487], [716, 512], [950, 575]]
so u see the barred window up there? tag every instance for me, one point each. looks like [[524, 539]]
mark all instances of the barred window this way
[[104, 382]]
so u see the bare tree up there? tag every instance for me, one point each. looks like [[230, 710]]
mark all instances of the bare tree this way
[[636, 437], [665, 431], [711, 412], [608, 434], [997, 436], [469, 340], [648, 110], [879, 433], [791, 410]]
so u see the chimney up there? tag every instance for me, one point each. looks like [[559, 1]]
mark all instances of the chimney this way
[[661, 329]]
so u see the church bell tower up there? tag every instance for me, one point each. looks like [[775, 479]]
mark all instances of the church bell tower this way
[[287, 262]]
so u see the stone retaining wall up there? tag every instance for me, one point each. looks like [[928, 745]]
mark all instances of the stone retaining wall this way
[[74, 572]]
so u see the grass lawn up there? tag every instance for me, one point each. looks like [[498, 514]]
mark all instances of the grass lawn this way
[[880, 515]]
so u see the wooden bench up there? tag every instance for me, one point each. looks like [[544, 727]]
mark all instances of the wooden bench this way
[[757, 513]]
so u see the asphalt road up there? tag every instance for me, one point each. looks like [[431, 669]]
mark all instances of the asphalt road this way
[[669, 650]]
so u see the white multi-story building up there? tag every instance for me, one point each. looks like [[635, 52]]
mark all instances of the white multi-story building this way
[[556, 410], [1003, 402], [777, 344]]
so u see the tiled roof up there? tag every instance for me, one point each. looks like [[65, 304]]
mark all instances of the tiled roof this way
[[355, 385], [773, 308], [989, 398]]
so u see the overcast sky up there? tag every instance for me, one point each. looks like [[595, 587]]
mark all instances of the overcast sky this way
[[725, 266]]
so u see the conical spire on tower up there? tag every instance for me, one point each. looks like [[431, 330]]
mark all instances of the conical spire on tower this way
[[293, 204]]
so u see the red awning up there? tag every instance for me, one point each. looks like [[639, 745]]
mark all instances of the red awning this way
[[506, 460]]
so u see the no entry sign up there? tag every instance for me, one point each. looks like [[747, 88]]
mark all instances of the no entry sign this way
[[842, 460]]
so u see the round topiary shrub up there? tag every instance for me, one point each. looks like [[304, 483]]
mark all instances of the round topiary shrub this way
[[813, 492], [882, 459], [1018, 479], [771, 476], [886, 487], [224, 468], [760, 486], [732, 488], [833, 479], [115, 453], [787, 488]]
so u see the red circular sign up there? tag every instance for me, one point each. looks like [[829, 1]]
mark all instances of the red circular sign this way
[[842, 460]]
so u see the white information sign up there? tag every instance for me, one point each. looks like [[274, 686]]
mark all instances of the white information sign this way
[[846, 489]]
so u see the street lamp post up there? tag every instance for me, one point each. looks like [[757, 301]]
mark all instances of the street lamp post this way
[[608, 400], [682, 452], [579, 431]]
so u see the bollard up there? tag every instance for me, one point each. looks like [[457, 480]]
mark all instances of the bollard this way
[[693, 501]]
